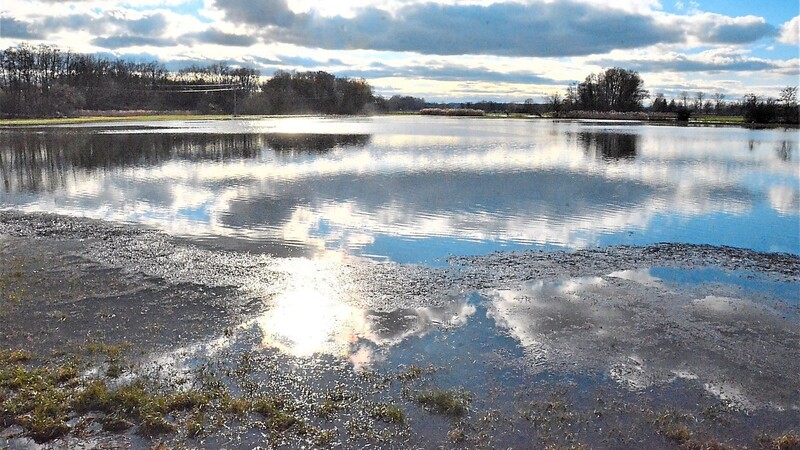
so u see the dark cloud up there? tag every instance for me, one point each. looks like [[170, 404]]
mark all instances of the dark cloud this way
[[447, 72], [455, 72], [723, 30], [13, 28], [686, 64], [74, 22], [542, 29], [152, 25], [214, 36], [148, 26], [122, 41], [259, 12], [565, 28]]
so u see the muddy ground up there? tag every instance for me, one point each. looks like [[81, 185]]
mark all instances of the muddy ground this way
[[664, 346]]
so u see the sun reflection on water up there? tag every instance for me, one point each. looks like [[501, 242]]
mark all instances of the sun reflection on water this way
[[311, 315], [318, 312]]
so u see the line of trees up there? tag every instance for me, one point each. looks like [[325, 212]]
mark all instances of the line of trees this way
[[46, 81], [310, 92], [753, 108], [621, 90], [38, 81]]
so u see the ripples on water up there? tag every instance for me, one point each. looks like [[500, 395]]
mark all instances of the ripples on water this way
[[413, 189]]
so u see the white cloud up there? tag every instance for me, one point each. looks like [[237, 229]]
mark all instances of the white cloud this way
[[406, 46], [790, 32]]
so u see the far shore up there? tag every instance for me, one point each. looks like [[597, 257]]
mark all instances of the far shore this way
[[152, 116]]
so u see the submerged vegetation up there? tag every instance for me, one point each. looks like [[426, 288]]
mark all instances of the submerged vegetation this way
[[450, 403]]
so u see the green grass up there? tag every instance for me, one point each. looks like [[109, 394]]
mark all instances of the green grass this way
[[96, 119], [450, 403], [718, 119], [388, 413]]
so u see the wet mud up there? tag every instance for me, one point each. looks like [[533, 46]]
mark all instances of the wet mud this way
[[654, 347]]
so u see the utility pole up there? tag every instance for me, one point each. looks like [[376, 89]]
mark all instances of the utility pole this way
[[234, 101]]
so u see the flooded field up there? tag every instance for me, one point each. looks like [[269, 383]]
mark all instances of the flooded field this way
[[399, 282], [413, 189]]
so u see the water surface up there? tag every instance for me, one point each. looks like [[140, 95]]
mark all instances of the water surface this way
[[415, 189]]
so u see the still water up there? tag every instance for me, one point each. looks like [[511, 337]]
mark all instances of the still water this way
[[415, 189]]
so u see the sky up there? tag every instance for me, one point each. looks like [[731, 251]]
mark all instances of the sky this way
[[442, 50]]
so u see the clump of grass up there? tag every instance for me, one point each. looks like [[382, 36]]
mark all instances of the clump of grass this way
[[195, 426], [451, 403], [236, 406], [412, 373], [327, 409], [113, 355], [323, 438], [133, 400], [789, 441], [66, 373], [277, 411], [16, 356], [671, 426], [704, 445], [32, 398], [44, 423], [388, 413], [332, 402], [94, 397], [187, 400], [153, 423]]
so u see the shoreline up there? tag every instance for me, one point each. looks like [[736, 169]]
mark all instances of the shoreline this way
[[167, 116]]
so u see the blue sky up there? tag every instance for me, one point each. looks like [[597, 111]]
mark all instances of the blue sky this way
[[443, 50]]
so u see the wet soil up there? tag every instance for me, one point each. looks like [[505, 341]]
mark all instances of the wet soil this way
[[652, 347]]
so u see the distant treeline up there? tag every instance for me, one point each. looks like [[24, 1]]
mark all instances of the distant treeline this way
[[621, 90], [45, 81], [309, 92]]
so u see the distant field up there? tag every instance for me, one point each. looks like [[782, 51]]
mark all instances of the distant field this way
[[718, 119], [91, 119]]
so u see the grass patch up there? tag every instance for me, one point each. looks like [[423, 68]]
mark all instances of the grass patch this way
[[96, 119], [33, 399], [789, 441], [450, 403], [235, 406], [718, 119], [412, 373], [278, 412], [388, 413], [187, 400], [15, 356], [672, 426]]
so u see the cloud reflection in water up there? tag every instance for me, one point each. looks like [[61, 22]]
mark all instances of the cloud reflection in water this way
[[495, 183]]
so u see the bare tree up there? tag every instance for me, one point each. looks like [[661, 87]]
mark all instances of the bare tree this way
[[698, 100], [684, 98], [789, 96], [554, 100], [719, 101]]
